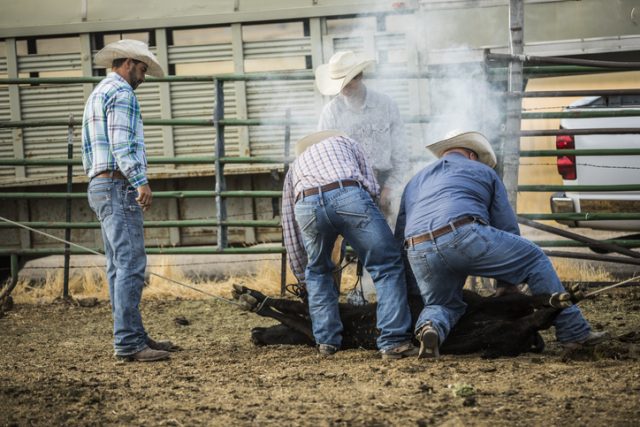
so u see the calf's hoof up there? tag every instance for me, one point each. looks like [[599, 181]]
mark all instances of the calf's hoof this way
[[247, 302], [257, 336], [237, 291], [561, 300], [576, 292]]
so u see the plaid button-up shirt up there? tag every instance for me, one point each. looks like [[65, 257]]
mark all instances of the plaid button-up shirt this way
[[334, 159], [112, 135]]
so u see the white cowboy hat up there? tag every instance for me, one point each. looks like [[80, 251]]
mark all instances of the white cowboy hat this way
[[127, 48], [314, 138], [474, 141], [341, 69]]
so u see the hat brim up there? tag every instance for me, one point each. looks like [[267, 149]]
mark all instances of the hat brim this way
[[474, 141], [314, 138], [106, 56], [328, 86]]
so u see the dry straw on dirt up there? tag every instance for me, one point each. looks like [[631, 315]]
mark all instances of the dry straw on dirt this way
[[580, 271], [92, 282]]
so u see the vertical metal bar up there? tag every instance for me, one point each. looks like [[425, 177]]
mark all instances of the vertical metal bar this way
[[17, 135], [168, 142], [511, 147], [5, 293], [317, 57], [14, 272], [287, 150], [237, 47], [67, 231], [221, 214], [15, 107]]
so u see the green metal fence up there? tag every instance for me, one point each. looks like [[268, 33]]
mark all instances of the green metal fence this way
[[220, 193]]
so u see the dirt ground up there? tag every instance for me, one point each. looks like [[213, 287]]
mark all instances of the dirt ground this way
[[57, 368]]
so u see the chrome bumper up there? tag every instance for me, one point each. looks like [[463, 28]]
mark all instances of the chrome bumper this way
[[560, 203]]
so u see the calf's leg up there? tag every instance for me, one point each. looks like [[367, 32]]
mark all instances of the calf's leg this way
[[264, 306]]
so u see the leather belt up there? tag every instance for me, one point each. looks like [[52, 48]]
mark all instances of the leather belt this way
[[329, 187], [412, 241], [111, 174]]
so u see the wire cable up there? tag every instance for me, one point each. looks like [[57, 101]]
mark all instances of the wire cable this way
[[98, 253]]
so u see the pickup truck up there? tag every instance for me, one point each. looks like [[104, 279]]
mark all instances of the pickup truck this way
[[600, 170]]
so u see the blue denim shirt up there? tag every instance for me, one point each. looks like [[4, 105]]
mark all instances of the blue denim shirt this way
[[451, 188]]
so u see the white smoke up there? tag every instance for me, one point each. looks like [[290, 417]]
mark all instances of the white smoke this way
[[457, 95]]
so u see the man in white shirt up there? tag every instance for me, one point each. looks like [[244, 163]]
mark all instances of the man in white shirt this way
[[370, 118]]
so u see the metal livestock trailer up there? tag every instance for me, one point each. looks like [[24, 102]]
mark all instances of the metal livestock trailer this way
[[240, 91]]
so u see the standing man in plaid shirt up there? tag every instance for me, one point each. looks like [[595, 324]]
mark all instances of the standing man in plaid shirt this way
[[329, 191], [113, 157]]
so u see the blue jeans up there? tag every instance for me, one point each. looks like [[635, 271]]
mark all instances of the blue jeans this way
[[113, 201], [441, 268], [351, 212]]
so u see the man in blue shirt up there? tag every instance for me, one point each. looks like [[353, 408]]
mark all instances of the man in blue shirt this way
[[113, 157], [456, 220]]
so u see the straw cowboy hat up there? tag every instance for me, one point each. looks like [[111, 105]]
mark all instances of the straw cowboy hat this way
[[341, 69], [314, 138], [474, 141], [129, 49]]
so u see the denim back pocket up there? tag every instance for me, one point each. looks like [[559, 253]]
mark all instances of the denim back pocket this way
[[305, 215], [471, 244], [419, 261], [356, 207], [100, 198]]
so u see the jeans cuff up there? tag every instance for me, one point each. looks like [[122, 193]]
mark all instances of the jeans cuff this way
[[124, 353]]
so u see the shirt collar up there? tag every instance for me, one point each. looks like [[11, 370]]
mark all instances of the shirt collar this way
[[369, 100], [116, 76]]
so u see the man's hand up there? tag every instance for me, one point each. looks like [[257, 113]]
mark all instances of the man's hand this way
[[385, 199], [144, 197]]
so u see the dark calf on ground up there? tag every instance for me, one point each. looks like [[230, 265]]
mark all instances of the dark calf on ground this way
[[496, 326]]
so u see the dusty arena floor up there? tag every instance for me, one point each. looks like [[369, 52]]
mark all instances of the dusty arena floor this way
[[56, 368]]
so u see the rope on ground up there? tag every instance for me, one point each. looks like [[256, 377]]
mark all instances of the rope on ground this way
[[615, 285]]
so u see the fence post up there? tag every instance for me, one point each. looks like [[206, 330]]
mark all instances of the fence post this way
[[511, 144], [287, 149], [5, 293], [67, 231], [221, 208]]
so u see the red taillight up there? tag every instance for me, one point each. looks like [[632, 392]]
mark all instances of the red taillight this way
[[565, 142], [566, 164]]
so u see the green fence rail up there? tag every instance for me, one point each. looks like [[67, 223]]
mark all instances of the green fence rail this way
[[156, 194], [294, 121], [583, 216], [276, 194], [580, 114], [550, 188], [185, 250], [151, 160], [148, 224]]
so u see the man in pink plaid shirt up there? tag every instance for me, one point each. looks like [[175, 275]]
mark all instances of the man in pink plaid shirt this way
[[330, 190]]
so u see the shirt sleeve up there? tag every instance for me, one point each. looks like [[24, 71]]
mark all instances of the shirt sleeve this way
[[399, 149], [123, 119], [292, 236], [326, 120], [401, 220], [370, 182], [501, 214]]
